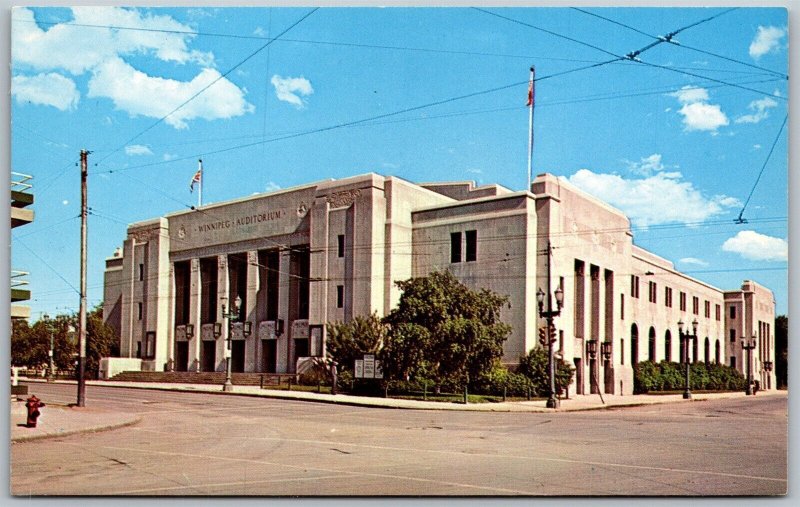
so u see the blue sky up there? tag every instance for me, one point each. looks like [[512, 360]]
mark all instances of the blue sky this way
[[679, 153]]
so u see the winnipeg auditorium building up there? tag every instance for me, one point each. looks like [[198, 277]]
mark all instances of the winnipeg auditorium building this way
[[329, 251]]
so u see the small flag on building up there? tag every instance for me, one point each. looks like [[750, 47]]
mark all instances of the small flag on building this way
[[197, 178]]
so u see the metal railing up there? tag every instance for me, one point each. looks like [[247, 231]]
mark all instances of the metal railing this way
[[19, 182], [16, 278]]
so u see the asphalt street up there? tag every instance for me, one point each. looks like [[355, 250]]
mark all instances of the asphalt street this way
[[205, 444]]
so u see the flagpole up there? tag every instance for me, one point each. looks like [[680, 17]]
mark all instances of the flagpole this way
[[200, 189], [530, 129]]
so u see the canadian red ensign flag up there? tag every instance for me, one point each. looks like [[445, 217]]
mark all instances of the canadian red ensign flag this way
[[530, 93], [196, 179]]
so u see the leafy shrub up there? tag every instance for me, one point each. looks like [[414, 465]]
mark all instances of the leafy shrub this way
[[647, 377]]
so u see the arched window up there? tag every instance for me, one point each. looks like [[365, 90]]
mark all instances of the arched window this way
[[716, 352], [651, 345], [707, 351], [634, 344], [667, 346]]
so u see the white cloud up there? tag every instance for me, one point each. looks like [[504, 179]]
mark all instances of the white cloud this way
[[137, 149], [169, 156], [646, 165], [756, 146], [272, 186], [65, 202], [289, 89], [259, 32], [133, 91], [474, 170], [77, 50], [689, 94], [661, 198], [758, 247], [766, 40], [697, 112], [760, 107], [693, 261], [50, 89]]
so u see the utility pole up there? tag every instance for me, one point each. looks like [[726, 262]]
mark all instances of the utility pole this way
[[82, 310]]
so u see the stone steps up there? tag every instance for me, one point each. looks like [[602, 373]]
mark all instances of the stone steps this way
[[183, 377]]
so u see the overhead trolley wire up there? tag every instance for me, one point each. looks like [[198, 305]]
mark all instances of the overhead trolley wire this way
[[306, 41], [741, 220], [682, 45]]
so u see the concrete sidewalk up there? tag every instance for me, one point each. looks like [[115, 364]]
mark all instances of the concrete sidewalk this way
[[584, 402], [60, 420]]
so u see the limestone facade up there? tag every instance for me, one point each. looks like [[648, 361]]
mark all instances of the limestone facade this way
[[328, 251]]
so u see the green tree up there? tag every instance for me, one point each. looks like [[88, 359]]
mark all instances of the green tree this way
[[101, 341], [443, 331], [782, 350], [535, 366], [348, 341]]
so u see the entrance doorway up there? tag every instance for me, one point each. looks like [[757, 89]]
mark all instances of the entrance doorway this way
[[181, 356], [269, 355], [237, 356], [208, 356], [300, 348]]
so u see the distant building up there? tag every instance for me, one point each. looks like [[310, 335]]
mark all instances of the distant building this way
[[301, 257], [21, 199]]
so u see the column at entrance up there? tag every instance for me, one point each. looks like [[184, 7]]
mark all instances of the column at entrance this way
[[195, 296], [283, 346], [223, 298], [251, 354]]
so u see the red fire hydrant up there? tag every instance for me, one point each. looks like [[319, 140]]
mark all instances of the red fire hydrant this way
[[33, 404]]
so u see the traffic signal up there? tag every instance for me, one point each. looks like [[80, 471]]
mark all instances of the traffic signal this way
[[552, 333], [542, 338]]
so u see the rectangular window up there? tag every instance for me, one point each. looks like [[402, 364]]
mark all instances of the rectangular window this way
[[707, 309], [472, 245], [341, 245], [139, 306], [340, 296], [683, 301], [622, 351], [150, 345], [138, 349], [141, 272], [455, 247], [622, 306], [634, 286], [717, 312], [695, 305], [733, 335], [733, 361], [733, 312], [651, 292]]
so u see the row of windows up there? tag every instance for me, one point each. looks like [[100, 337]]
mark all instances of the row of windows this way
[[471, 250], [652, 296]]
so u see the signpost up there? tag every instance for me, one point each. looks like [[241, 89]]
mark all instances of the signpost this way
[[368, 367]]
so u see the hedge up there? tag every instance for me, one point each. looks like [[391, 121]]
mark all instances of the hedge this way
[[670, 376]]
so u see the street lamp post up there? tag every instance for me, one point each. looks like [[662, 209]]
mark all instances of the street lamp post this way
[[549, 314], [230, 315], [685, 338], [749, 345], [46, 319]]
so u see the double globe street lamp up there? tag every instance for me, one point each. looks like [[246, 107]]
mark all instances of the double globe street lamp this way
[[233, 316], [549, 314], [749, 345], [685, 338]]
